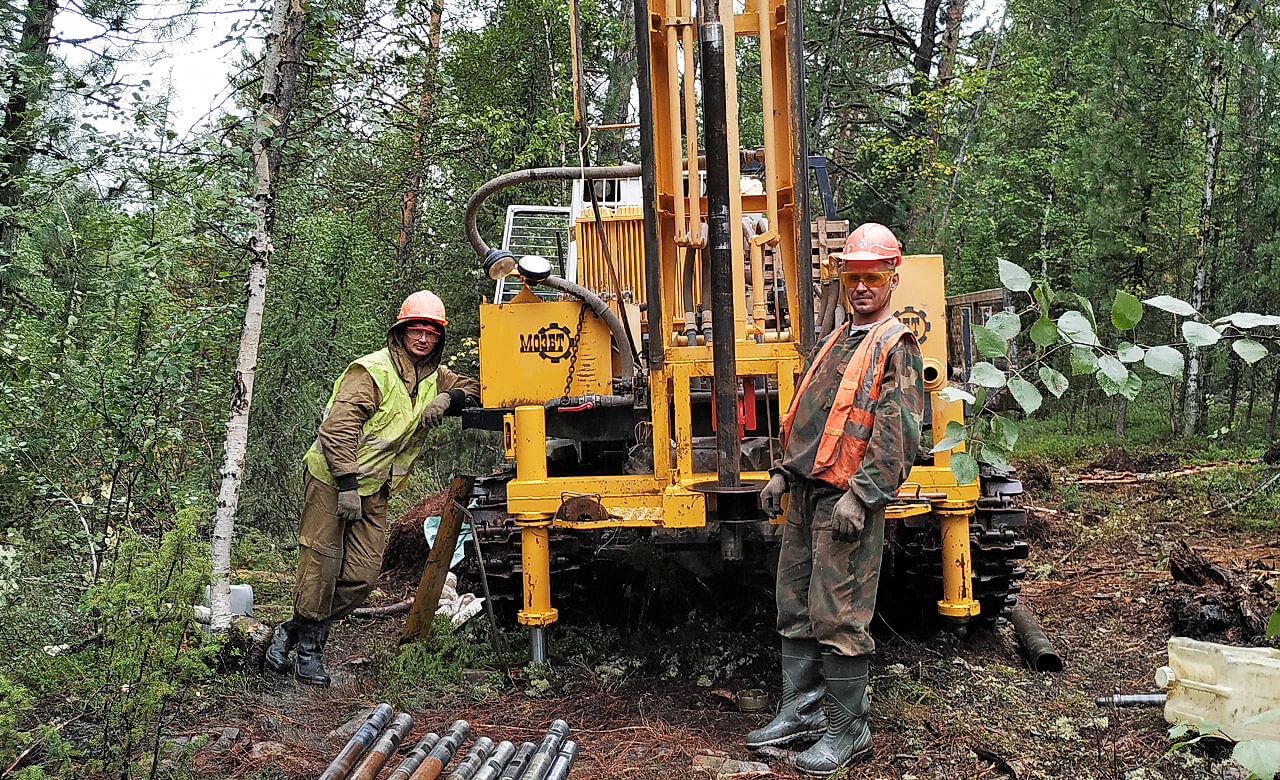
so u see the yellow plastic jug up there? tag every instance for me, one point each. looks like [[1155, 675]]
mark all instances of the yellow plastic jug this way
[[1222, 685]]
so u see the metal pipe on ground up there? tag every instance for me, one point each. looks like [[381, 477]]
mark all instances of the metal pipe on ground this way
[[475, 757], [1040, 651], [415, 757], [359, 743], [547, 751], [1132, 700], [564, 761], [442, 753], [518, 762], [383, 749], [494, 764]]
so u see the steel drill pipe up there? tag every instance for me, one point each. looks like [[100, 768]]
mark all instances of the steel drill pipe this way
[[475, 757], [358, 743], [545, 755], [442, 753], [1132, 700], [564, 761], [383, 749], [1040, 651], [514, 769], [414, 759], [501, 755]]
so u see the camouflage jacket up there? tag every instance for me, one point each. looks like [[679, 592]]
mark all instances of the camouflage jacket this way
[[895, 433]]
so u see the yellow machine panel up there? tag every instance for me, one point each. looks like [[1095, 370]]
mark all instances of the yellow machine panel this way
[[921, 303], [527, 348]]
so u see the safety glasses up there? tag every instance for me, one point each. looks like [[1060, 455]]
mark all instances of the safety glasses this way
[[851, 279], [421, 332]]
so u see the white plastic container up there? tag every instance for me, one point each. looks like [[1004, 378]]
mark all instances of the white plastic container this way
[[1222, 686]]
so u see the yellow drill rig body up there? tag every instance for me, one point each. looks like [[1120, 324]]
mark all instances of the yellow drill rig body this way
[[689, 317]]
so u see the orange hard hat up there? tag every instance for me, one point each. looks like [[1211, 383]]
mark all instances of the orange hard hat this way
[[871, 242], [422, 305]]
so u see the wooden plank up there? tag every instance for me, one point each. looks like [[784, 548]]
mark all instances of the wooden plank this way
[[427, 599]]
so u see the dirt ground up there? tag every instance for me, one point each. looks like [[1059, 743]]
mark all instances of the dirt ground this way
[[944, 704]]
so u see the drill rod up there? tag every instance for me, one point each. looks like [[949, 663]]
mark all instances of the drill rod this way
[[383, 749], [442, 753], [501, 755], [358, 743], [475, 757], [541, 761], [415, 757], [564, 761], [518, 762]]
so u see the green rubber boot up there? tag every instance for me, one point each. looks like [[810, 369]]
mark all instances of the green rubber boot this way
[[847, 739], [800, 713]]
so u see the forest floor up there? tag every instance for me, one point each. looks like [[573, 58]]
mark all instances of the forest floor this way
[[944, 705]]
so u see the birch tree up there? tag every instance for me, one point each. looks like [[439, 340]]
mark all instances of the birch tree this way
[[279, 71]]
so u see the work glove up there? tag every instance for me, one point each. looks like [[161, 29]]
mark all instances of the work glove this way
[[349, 505], [847, 518], [433, 415], [771, 496]]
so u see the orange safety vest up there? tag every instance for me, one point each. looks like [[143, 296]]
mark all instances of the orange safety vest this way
[[848, 427]]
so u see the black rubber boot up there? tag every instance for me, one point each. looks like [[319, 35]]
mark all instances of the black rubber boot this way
[[800, 713], [283, 640], [309, 668], [847, 739]]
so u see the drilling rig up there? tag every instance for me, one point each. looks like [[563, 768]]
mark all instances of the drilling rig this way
[[641, 389]]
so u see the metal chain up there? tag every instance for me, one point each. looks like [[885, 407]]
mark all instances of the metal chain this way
[[573, 350]]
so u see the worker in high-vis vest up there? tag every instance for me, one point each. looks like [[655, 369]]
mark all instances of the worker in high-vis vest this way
[[374, 425], [848, 442]]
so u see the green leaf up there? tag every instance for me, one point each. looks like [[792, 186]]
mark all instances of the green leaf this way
[[1171, 305], [1164, 360], [995, 456], [1132, 386], [989, 343], [956, 430], [1044, 333], [1108, 385], [1005, 433], [1026, 394], [1114, 369], [1260, 756], [964, 468], [1128, 353], [1246, 320], [1075, 327], [1014, 277], [1005, 324], [1087, 308], [979, 398], [1179, 731], [1250, 351], [1044, 298], [1083, 361], [1054, 381], [1126, 312], [1198, 334], [986, 375], [946, 444], [950, 394], [1261, 717], [1273, 625]]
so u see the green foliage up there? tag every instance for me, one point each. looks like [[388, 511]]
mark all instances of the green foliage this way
[[435, 663]]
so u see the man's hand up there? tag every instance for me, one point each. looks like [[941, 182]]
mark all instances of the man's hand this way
[[771, 496], [433, 415], [349, 505], [847, 518]]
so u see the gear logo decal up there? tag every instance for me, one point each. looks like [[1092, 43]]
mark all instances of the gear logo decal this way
[[552, 342], [918, 321]]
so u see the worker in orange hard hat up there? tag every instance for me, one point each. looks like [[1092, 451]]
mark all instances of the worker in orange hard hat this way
[[849, 440], [372, 431]]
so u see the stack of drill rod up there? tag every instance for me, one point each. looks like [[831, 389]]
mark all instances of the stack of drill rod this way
[[363, 757]]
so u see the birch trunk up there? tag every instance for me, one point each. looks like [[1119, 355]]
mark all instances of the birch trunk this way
[[260, 248], [1192, 420]]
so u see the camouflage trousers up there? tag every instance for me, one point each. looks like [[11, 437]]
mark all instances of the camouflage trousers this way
[[338, 562], [827, 589]]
